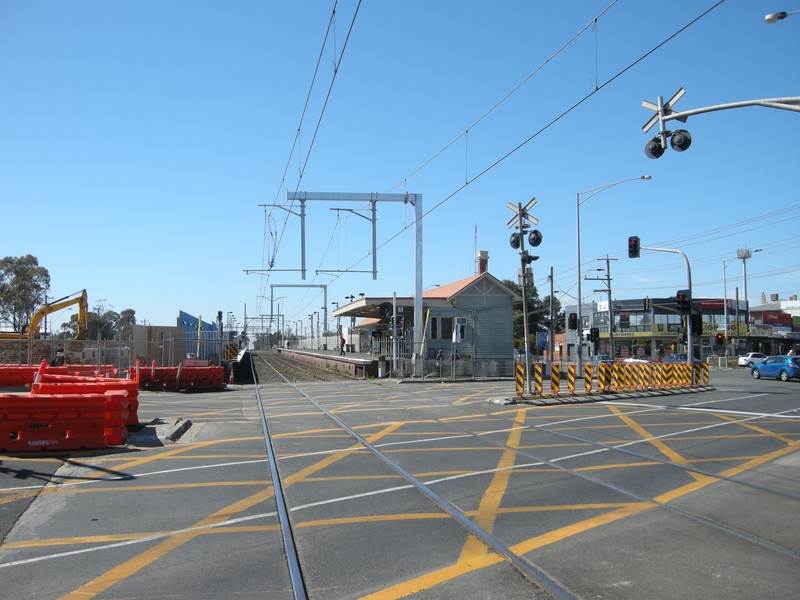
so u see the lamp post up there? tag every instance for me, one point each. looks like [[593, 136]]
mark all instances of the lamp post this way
[[772, 18], [725, 264], [592, 192], [744, 254], [338, 320]]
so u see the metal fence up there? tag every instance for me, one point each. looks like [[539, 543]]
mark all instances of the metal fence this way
[[466, 368], [166, 352]]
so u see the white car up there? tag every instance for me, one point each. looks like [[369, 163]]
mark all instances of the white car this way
[[750, 359]]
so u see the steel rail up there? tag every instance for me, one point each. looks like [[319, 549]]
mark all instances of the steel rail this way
[[292, 558], [553, 463], [522, 565]]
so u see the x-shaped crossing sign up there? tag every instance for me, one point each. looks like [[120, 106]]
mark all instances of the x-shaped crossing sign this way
[[662, 110]]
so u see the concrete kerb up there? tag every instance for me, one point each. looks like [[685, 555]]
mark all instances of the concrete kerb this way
[[582, 398], [177, 429]]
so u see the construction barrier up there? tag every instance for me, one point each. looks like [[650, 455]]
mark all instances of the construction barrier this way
[[63, 421], [537, 379], [20, 376], [519, 376], [180, 378]]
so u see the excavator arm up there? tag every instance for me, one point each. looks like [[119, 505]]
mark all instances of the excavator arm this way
[[83, 309]]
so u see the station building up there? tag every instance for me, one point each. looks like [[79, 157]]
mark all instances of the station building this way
[[471, 318]]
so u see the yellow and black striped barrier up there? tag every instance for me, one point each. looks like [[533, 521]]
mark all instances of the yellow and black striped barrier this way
[[537, 379], [520, 377], [571, 378], [705, 373], [231, 351], [587, 377], [603, 377], [657, 376], [555, 379]]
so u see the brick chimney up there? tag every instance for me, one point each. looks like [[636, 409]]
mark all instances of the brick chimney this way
[[483, 262]]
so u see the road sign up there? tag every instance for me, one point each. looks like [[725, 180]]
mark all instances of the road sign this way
[[521, 214], [667, 109]]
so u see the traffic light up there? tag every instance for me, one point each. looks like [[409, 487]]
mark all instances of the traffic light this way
[[681, 340], [527, 258], [720, 339], [514, 241], [594, 334], [654, 148], [697, 323], [573, 321], [684, 299], [634, 247], [680, 140]]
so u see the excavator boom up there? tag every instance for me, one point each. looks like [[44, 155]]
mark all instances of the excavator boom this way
[[83, 309]]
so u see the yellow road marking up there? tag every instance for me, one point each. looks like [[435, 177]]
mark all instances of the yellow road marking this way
[[128, 568], [659, 444]]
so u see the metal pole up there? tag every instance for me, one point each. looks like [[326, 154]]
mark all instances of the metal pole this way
[[579, 342], [550, 329]]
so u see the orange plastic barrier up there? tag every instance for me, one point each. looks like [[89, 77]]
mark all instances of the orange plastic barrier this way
[[14, 376], [63, 421], [195, 379]]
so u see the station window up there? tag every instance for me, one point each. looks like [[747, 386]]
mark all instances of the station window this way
[[441, 328]]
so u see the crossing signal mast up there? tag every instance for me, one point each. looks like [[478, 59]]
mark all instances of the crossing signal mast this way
[[521, 222], [680, 139]]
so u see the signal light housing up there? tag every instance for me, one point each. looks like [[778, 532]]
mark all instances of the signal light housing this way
[[653, 148], [680, 140], [573, 321], [634, 247]]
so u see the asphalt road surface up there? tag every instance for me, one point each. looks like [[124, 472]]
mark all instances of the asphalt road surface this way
[[693, 495]]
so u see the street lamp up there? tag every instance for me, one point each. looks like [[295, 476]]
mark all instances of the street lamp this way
[[593, 192], [338, 320], [744, 254], [725, 264], [778, 16]]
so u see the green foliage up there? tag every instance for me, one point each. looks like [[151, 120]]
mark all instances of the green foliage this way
[[23, 289], [111, 325], [538, 313]]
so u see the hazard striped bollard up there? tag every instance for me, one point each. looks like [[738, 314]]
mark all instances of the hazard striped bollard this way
[[603, 377], [571, 378], [537, 379], [617, 377], [587, 378], [555, 379], [629, 383], [520, 379], [705, 373], [657, 375]]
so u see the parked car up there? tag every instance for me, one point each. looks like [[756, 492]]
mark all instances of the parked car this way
[[598, 358], [675, 358], [519, 355], [780, 367], [751, 358]]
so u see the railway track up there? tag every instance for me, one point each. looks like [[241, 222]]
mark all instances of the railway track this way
[[525, 458], [273, 367]]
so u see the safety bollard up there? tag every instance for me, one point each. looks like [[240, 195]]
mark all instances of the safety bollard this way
[[537, 379], [555, 379], [571, 379], [520, 378], [587, 378]]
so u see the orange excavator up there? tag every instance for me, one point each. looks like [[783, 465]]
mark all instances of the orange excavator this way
[[32, 331]]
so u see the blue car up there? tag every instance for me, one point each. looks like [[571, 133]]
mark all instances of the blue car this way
[[780, 367]]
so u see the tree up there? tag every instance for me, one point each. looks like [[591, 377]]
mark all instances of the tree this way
[[125, 323], [538, 313], [23, 289]]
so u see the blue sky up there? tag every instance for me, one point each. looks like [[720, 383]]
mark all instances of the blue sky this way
[[138, 139]]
